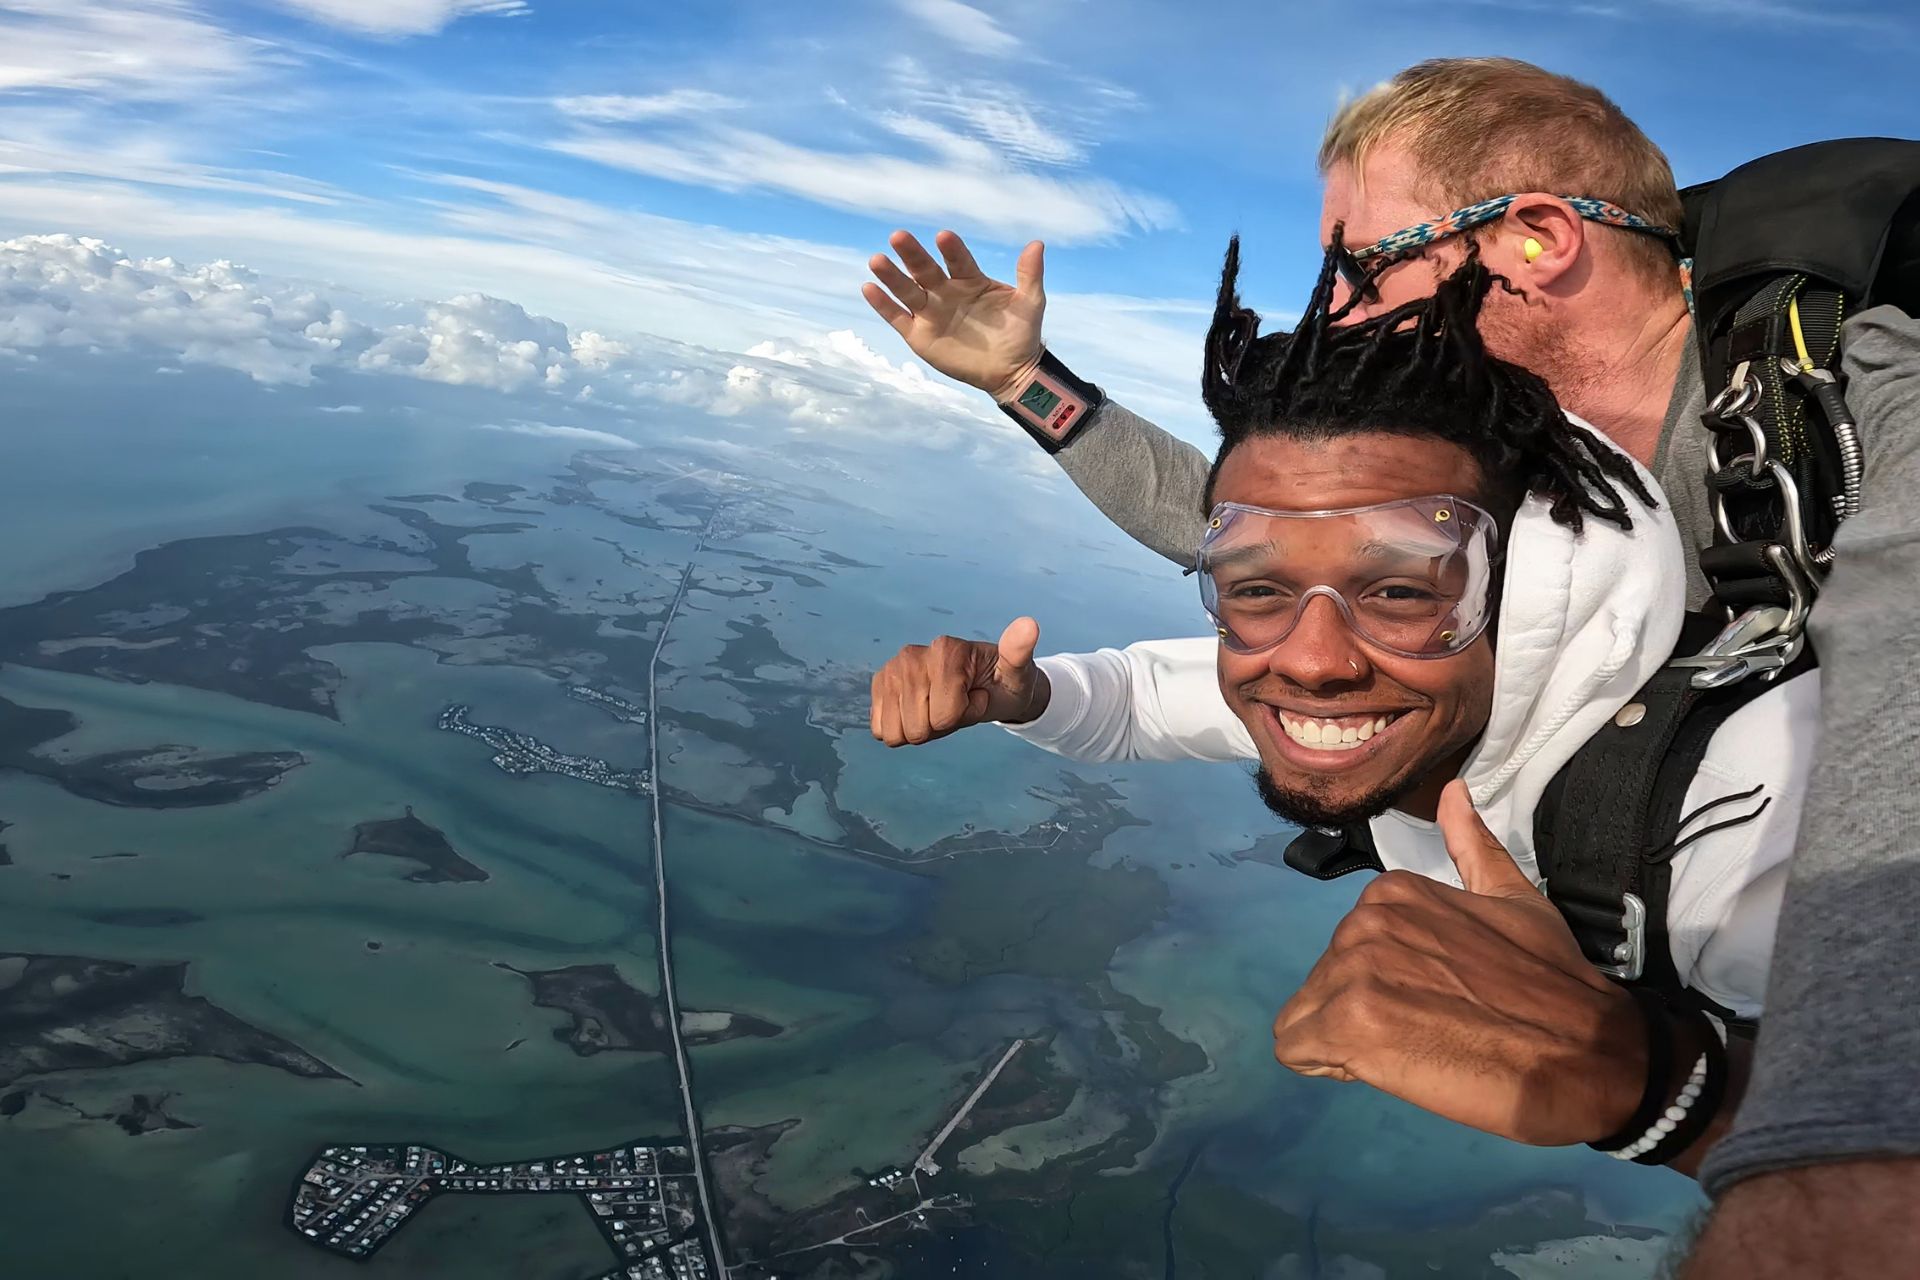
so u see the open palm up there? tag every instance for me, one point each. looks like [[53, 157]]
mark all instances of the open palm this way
[[973, 328]]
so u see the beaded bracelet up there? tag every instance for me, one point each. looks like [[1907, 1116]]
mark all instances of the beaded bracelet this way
[[1653, 1013], [1681, 1125]]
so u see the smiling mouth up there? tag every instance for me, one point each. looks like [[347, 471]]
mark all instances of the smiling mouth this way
[[1334, 733]]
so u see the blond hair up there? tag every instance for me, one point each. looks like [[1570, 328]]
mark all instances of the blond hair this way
[[1485, 127]]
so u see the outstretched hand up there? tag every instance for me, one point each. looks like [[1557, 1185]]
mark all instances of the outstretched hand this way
[[1473, 1003], [928, 691], [965, 324]]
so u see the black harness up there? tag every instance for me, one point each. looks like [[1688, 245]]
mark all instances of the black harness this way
[[1784, 249]]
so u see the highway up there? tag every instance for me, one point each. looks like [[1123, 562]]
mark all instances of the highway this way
[[694, 1141]]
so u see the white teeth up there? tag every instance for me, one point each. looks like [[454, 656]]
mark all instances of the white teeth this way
[[1328, 736]]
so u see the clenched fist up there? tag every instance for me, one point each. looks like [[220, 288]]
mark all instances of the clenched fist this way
[[929, 690]]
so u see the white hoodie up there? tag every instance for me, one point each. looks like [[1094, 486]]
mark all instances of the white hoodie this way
[[1585, 620]]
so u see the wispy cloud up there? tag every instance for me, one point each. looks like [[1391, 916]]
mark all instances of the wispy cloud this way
[[971, 29], [142, 49], [561, 431], [962, 184], [617, 107], [58, 142], [399, 17]]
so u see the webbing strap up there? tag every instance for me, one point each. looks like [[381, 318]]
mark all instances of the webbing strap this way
[[1595, 826], [1611, 820]]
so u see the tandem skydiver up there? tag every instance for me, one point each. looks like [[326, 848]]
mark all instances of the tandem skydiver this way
[[1567, 200], [1381, 491]]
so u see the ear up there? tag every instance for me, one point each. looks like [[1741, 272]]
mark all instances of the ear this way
[[1551, 223]]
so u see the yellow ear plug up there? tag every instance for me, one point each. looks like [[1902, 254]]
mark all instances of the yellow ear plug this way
[[1532, 248]]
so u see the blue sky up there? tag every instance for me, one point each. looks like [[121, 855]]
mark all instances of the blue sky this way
[[715, 172]]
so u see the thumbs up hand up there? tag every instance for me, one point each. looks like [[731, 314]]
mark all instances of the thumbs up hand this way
[[1473, 1003], [929, 691]]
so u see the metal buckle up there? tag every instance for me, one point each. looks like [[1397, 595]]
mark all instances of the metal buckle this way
[[1760, 642], [1630, 955]]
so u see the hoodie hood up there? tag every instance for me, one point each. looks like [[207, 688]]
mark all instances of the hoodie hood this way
[[1585, 620]]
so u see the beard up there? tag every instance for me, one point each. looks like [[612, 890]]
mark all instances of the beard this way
[[1310, 807]]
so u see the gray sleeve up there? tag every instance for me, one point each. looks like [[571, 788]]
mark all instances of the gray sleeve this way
[[1835, 1066], [1144, 480]]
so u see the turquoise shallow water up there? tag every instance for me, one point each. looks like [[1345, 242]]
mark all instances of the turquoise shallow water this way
[[770, 923]]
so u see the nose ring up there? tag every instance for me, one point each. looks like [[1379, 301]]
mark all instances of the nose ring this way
[[1354, 665]]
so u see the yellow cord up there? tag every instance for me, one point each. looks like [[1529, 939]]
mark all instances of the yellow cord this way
[[1799, 338]]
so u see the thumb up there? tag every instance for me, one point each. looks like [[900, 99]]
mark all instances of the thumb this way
[[1485, 866], [1030, 271], [1017, 643]]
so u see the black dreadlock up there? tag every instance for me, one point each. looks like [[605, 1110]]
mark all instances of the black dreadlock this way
[[1419, 369]]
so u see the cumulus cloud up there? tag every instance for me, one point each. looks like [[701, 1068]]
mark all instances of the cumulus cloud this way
[[832, 383], [612, 107], [474, 340], [63, 292], [69, 291], [398, 17]]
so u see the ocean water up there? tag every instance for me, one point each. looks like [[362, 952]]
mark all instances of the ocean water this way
[[1242, 1169]]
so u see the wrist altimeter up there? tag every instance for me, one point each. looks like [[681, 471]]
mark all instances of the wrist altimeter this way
[[1054, 405]]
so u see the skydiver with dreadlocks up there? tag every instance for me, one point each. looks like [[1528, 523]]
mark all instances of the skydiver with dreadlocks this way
[[1430, 588]]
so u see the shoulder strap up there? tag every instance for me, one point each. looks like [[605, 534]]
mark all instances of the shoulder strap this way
[[1830, 210], [1611, 820]]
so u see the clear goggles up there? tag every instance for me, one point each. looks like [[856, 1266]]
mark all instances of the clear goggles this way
[[1413, 577]]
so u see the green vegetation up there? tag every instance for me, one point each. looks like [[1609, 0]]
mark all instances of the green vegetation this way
[[1028, 913]]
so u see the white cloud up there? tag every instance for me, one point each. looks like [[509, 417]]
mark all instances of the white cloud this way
[[42, 142], [964, 185], [62, 292], [143, 49], [475, 340], [1010, 123], [399, 17], [66, 291], [585, 435], [828, 381], [1143, 351], [971, 29], [615, 107], [611, 269]]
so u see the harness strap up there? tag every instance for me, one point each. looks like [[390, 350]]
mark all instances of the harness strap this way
[[1612, 819], [1784, 248]]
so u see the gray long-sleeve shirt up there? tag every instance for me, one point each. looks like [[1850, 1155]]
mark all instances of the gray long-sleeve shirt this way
[[1836, 1063]]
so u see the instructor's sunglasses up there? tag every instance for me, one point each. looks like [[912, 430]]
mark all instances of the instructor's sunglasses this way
[[1361, 267]]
